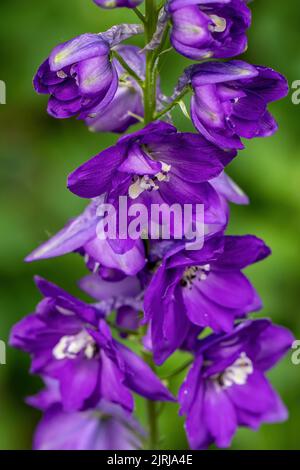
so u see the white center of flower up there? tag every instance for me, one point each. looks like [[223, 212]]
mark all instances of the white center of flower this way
[[237, 373], [69, 347], [61, 74], [149, 183], [198, 273], [219, 25]]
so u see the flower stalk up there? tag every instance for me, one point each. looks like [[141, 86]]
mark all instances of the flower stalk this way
[[151, 73], [193, 300], [151, 15]]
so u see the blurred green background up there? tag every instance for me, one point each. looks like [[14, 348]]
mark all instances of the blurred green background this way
[[37, 152]]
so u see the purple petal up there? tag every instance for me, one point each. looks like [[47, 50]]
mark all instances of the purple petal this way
[[93, 178], [225, 186], [78, 49], [230, 289], [100, 289], [241, 251], [219, 415], [78, 381], [220, 72], [141, 379], [130, 262], [73, 236], [112, 384]]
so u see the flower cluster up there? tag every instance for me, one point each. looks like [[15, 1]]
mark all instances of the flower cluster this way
[[155, 295]]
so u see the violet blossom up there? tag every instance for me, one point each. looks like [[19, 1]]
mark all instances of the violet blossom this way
[[205, 28], [230, 101], [156, 290], [156, 165], [106, 427], [69, 341], [226, 386], [80, 235], [79, 75], [204, 287]]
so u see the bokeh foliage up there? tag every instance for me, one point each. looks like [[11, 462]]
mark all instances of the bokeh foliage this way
[[37, 152]]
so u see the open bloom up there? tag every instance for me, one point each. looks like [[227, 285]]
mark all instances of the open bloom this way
[[226, 386], [204, 287], [209, 28], [70, 342], [156, 165], [128, 100], [230, 101], [107, 427]]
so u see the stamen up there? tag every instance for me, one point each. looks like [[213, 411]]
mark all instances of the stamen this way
[[219, 25], [198, 273], [69, 347], [237, 373], [61, 74], [147, 183]]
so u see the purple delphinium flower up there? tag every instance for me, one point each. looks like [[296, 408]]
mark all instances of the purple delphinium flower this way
[[226, 386], [79, 77], [69, 341], [106, 427], [206, 28], [118, 3], [80, 235], [128, 100], [204, 287], [230, 101], [103, 428], [156, 165]]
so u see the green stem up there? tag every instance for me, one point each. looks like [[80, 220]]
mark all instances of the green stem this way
[[128, 69], [152, 413], [180, 369], [150, 79], [160, 5], [163, 40], [172, 104], [151, 16], [153, 428], [140, 15]]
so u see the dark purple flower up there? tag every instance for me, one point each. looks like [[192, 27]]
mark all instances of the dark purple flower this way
[[230, 101], [107, 427], [104, 428], [70, 342], [204, 287], [226, 386], [209, 28], [79, 75], [156, 165], [128, 100], [118, 3], [80, 235]]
